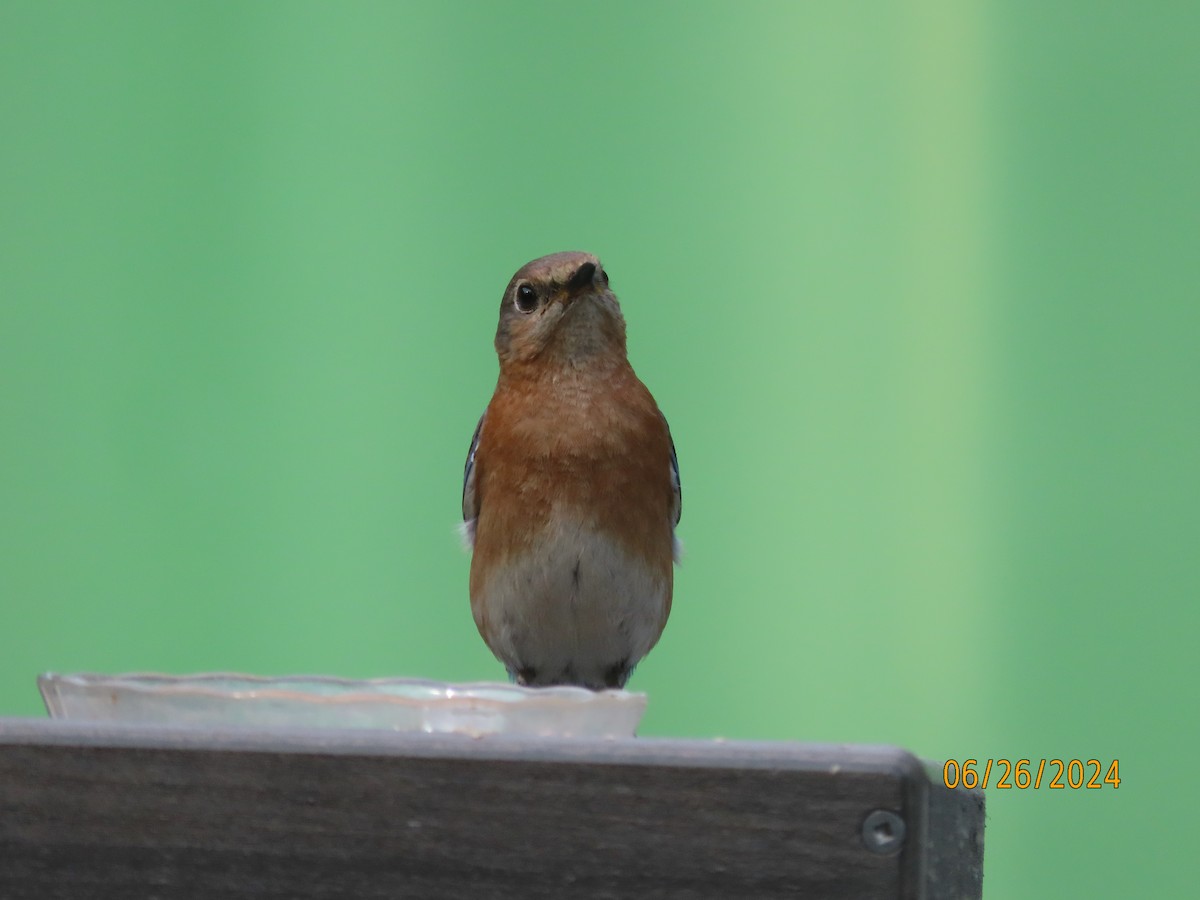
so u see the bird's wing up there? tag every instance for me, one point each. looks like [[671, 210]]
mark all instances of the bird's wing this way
[[470, 502], [676, 485]]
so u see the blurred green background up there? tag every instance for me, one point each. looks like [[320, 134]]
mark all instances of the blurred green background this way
[[916, 285]]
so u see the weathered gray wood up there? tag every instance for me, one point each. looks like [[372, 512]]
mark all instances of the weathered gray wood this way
[[954, 855], [107, 811]]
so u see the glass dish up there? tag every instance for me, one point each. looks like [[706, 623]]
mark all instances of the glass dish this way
[[317, 701]]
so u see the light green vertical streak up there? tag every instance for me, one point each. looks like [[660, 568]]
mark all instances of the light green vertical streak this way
[[800, 388], [943, 397]]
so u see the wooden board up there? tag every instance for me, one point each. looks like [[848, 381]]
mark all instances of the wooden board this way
[[103, 812]]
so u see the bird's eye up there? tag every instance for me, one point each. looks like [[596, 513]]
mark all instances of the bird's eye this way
[[526, 300], [604, 277]]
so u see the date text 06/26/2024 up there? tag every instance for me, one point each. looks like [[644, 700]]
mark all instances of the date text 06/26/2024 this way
[[1053, 774]]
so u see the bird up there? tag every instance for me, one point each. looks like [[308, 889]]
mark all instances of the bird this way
[[571, 490]]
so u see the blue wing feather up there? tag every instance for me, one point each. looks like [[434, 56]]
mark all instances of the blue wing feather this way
[[470, 503]]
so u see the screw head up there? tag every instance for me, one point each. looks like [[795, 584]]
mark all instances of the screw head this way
[[883, 832]]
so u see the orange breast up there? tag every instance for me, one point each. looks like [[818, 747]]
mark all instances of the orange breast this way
[[595, 451]]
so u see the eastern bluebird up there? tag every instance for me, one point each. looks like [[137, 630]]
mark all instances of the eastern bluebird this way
[[571, 488]]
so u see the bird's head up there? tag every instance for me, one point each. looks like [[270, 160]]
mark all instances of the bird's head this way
[[559, 310]]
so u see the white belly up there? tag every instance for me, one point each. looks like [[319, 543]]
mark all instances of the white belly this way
[[575, 609]]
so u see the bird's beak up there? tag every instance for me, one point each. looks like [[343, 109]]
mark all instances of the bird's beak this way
[[582, 279]]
